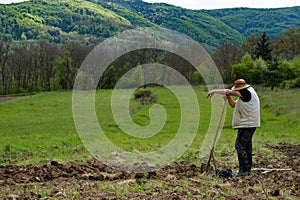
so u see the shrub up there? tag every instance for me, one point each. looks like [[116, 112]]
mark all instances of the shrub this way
[[288, 84], [145, 96]]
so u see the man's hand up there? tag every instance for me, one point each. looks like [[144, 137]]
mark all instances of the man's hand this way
[[218, 91], [210, 94], [228, 92]]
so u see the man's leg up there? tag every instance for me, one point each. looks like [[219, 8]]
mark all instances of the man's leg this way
[[249, 154], [243, 146]]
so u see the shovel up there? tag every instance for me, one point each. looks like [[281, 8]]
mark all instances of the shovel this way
[[206, 167]]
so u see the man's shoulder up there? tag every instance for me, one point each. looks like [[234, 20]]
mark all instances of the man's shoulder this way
[[246, 95]]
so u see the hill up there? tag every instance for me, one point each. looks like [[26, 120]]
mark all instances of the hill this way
[[92, 20], [249, 21], [201, 27]]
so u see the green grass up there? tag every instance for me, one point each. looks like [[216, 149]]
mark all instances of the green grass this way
[[40, 127], [282, 102]]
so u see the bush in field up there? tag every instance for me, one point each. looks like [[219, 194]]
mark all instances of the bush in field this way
[[145, 96], [289, 84]]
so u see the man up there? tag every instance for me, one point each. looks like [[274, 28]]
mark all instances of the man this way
[[246, 118]]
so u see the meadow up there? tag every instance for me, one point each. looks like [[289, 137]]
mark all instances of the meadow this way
[[39, 129]]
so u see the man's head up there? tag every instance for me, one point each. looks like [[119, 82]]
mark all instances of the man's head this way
[[240, 84]]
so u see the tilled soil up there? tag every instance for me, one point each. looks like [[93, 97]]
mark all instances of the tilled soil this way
[[93, 180]]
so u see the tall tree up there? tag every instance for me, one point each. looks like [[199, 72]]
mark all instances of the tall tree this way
[[226, 56], [249, 45], [263, 48], [287, 46], [273, 76], [4, 54], [63, 72], [47, 55]]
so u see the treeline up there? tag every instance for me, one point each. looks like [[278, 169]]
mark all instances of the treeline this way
[[39, 66], [42, 66], [34, 66], [261, 60]]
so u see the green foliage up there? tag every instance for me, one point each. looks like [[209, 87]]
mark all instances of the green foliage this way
[[296, 65], [273, 76], [289, 84], [274, 73], [291, 72], [59, 21], [65, 20], [63, 72], [197, 79], [251, 71], [248, 21], [288, 70], [195, 24]]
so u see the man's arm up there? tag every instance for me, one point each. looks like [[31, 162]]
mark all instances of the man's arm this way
[[216, 91], [231, 101], [224, 92], [228, 94]]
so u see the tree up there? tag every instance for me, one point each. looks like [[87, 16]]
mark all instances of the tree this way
[[47, 56], [226, 56], [63, 72], [263, 48], [4, 55], [296, 64], [273, 75], [241, 70], [249, 45], [287, 46]]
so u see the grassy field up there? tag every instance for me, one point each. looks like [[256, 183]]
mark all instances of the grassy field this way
[[40, 127], [42, 156]]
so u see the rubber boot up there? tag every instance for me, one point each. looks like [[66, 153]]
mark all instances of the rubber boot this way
[[249, 163], [244, 167]]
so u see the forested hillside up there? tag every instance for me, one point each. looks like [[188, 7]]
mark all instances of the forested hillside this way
[[210, 32], [249, 21], [60, 21]]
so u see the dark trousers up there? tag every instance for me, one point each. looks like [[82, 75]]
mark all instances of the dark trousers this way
[[243, 146]]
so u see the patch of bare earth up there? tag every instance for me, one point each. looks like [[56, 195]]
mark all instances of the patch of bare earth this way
[[93, 180], [3, 99]]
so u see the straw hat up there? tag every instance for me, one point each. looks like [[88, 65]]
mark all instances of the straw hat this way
[[240, 84]]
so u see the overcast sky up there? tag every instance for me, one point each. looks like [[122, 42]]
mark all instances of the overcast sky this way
[[215, 4], [10, 1]]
